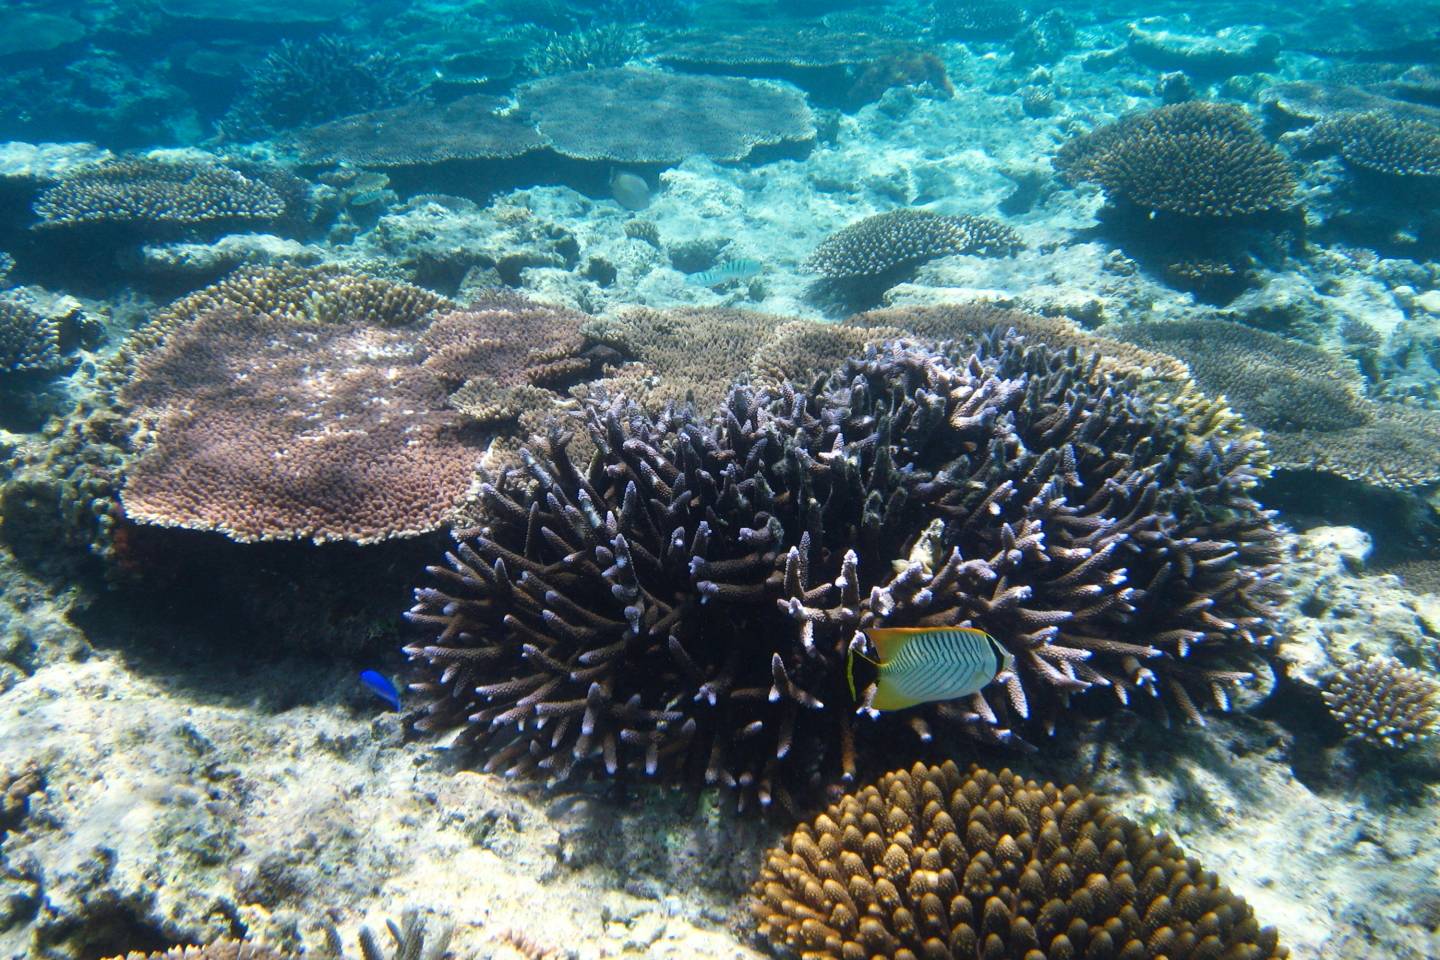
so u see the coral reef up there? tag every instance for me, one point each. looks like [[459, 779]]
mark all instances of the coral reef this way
[[470, 128], [218, 950], [1276, 383], [934, 863], [412, 939], [859, 263], [1384, 703], [29, 341], [1193, 159], [300, 84], [1381, 142], [265, 428], [635, 115], [610, 45], [898, 239], [693, 354], [150, 192], [1157, 43], [684, 608], [289, 403], [1310, 403], [976, 19], [297, 295], [966, 322]]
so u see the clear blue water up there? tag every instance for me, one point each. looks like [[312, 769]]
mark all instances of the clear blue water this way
[[284, 282]]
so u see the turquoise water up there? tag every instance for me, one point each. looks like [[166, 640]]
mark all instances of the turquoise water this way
[[502, 479]]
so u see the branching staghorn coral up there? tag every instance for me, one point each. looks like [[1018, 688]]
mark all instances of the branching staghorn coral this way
[[682, 607], [303, 83], [932, 863], [218, 950], [1384, 703]]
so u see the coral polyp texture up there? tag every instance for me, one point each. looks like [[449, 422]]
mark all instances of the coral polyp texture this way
[[1382, 142], [470, 128], [1384, 703], [288, 404], [1194, 159], [304, 83], [897, 239], [143, 191], [1310, 403], [635, 115], [219, 950], [682, 606], [29, 341], [932, 863]]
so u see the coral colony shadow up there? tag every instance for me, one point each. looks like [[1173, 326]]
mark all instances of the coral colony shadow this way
[[928, 480]]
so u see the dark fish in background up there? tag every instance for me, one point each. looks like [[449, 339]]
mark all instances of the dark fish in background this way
[[381, 686], [629, 190]]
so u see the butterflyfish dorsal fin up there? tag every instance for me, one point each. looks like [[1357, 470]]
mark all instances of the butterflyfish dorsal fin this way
[[891, 640]]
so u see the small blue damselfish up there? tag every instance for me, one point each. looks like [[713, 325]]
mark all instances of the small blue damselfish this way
[[381, 686]]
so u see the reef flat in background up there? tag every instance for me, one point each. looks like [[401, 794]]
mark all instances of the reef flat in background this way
[[790, 321]]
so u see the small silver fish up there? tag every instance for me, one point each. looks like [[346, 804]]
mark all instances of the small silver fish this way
[[923, 664], [727, 271]]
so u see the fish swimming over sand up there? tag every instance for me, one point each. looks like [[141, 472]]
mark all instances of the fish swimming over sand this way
[[924, 664], [727, 271], [381, 685]]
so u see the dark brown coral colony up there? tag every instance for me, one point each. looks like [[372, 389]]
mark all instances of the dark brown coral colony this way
[[682, 607], [930, 864]]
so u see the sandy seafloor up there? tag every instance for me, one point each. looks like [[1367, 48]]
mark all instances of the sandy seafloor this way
[[185, 800]]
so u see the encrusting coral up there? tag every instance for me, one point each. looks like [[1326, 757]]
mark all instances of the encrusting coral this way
[[935, 864], [1194, 159], [682, 608], [1384, 703], [144, 191]]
